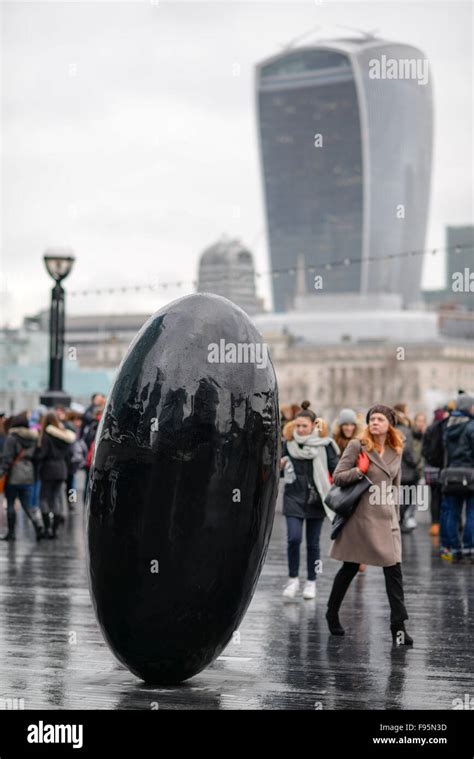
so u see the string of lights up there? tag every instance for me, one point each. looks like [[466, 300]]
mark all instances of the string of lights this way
[[275, 273]]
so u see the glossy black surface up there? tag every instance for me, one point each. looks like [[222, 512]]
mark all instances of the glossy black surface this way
[[183, 489]]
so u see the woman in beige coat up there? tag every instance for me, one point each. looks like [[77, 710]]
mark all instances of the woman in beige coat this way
[[372, 534]]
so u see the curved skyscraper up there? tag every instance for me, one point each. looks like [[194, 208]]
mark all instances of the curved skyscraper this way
[[346, 140]]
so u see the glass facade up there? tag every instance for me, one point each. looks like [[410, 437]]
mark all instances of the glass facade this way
[[313, 192], [398, 177], [337, 196]]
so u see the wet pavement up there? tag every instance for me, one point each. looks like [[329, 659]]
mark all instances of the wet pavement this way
[[52, 654]]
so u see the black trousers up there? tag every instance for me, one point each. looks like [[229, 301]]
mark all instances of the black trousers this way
[[393, 584], [435, 503], [51, 496]]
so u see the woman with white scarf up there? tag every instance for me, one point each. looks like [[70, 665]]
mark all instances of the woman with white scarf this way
[[307, 460]]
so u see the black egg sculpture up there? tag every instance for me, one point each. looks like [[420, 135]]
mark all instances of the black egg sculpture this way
[[183, 486]]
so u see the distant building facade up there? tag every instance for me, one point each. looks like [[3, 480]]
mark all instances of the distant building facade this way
[[346, 164], [458, 291], [94, 347], [330, 319], [457, 323], [357, 375], [351, 351], [226, 268]]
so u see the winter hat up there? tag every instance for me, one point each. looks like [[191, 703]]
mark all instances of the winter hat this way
[[347, 416], [464, 402], [20, 420], [387, 411]]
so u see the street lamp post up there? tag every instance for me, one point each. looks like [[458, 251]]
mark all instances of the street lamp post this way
[[58, 263]]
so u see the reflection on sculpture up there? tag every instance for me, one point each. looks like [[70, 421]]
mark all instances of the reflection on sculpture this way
[[183, 489]]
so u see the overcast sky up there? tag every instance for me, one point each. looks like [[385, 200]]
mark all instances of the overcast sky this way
[[127, 135]]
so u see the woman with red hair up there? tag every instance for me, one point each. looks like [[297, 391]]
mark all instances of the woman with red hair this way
[[372, 534]]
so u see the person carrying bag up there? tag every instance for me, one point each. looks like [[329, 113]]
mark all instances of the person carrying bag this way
[[344, 500], [4, 476], [17, 470], [457, 482], [371, 535]]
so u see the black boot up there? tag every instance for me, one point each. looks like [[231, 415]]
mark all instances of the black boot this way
[[400, 636], [54, 525], [39, 531], [48, 528], [341, 583], [35, 516], [335, 627], [11, 521]]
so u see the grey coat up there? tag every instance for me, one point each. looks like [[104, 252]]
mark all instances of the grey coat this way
[[372, 534], [23, 472]]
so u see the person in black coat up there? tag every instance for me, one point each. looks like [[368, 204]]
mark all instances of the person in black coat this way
[[308, 458], [18, 463], [458, 436], [433, 454], [89, 419], [54, 461], [410, 474]]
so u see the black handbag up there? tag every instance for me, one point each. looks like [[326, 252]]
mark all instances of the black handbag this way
[[457, 480], [343, 501]]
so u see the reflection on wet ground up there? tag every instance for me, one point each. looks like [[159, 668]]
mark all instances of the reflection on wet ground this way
[[52, 654]]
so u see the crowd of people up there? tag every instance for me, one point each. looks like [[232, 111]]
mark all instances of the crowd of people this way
[[398, 455], [41, 454]]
